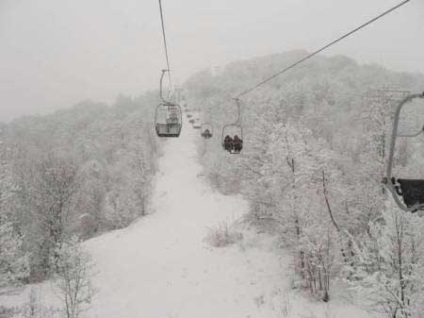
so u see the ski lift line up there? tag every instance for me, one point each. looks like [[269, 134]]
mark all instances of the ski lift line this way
[[165, 44], [322, 49]]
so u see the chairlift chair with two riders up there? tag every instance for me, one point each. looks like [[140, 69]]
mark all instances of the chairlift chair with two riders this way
[[168, 116], [232, 134], [207, 130], [410, 190], [207, 127]]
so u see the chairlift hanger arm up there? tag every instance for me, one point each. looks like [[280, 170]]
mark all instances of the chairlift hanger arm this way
[[395, 129], [161, 87], [165, 42], [388, 179], [237, 100]]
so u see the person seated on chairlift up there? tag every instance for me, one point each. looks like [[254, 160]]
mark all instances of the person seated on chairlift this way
[[238, 144], [228, 143]]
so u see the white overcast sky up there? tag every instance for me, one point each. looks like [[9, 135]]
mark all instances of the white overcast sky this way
[[54, 53]]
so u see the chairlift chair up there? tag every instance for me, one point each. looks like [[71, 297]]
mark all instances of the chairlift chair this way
[[232, 138], [207, 131], [168, 116], [196, 125], [410, 190], [232, 134], [168, 120]]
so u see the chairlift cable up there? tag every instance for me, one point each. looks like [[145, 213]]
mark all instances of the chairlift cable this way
[[168, 115], [322, 49], [165, 44]]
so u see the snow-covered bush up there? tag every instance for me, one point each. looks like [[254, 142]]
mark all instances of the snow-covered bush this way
[[222, 235]]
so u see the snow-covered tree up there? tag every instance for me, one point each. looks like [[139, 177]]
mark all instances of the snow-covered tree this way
[[13, 260], [389, 267], [313, 153], [69, 167], [14, 267], [56, 184], [73, 273]]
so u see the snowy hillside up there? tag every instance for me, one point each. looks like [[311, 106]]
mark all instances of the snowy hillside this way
[[295, 226], [164, 266]]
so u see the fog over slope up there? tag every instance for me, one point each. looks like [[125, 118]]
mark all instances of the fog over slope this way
[[54, 54]]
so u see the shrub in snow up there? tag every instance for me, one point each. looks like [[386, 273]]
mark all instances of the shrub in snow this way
[[282, 304], [6, 312], [34, 307], [222, 235]]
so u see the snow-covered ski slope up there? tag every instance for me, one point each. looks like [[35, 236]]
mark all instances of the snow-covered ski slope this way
[[161, 267]]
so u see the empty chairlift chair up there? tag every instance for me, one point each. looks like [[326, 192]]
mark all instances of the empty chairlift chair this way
[[408, 194], [168, 120], [168, 116]]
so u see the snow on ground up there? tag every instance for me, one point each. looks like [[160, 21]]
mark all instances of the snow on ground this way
[[161, 266]]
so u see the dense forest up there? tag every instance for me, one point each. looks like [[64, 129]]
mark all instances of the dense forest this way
[[315, 148], [73, 174]]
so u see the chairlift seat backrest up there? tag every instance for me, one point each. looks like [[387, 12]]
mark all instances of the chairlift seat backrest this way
[[412, 192]]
